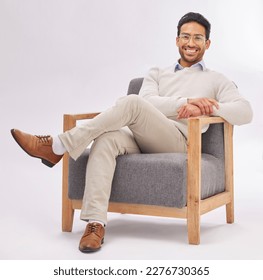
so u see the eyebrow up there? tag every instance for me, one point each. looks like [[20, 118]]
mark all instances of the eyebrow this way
[[184, 33]]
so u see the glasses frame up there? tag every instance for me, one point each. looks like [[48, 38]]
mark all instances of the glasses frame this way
[[197, 38]]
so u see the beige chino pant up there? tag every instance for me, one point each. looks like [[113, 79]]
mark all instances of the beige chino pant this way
[[133, 125]]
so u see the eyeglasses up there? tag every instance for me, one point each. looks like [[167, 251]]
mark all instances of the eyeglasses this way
[[198, 39]]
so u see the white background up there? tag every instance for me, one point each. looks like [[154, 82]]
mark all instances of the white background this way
[[65, 56]]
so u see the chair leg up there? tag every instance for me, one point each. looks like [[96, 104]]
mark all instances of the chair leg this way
[[67, 215], [67, 208], [194, 180], [193, 225], [229, 170], [230, 212]]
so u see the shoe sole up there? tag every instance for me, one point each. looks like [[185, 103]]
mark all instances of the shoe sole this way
[[91, 250], [44, 161]]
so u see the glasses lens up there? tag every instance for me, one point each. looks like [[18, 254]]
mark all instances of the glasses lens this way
[[196, 38]]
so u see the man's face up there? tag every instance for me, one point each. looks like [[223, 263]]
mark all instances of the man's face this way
[[192, 43]]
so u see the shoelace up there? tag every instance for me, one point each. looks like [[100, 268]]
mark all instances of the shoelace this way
[[43, 138], [92, 228]]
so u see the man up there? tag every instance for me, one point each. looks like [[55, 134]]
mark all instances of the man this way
[[157, 122]]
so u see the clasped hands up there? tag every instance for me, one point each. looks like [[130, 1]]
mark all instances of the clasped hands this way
[[197, 107]]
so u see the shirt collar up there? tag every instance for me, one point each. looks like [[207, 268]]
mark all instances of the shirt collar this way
[[200, 65]]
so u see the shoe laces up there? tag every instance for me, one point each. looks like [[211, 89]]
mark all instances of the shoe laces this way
[[92, 228], [43, 138]]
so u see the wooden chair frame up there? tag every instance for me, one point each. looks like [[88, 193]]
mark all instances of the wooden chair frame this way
[[195, 205]]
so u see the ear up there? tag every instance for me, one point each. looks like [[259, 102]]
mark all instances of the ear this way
[[207, 44], [177, 41]]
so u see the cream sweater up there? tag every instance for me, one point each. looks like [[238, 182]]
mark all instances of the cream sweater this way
[[168, 90]]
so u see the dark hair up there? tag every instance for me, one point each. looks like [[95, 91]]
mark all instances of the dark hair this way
[[196, 17]]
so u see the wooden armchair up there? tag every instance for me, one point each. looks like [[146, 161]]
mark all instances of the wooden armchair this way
[[199, 198]]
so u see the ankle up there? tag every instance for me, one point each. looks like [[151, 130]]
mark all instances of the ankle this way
[[57, 146], [96, 221]]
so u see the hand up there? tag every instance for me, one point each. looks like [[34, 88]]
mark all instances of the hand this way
[[188, 110], [205, 104]]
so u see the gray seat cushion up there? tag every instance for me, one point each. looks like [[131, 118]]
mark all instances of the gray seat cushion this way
[[157, 179], [153, 179]]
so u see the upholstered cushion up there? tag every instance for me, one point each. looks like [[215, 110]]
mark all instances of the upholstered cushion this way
[[135, 86], [155, 179]]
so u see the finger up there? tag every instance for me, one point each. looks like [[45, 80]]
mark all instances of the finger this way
[[209, 109], [203, 107], [182, 112], [209, 106], [179, 113], [214, 102]]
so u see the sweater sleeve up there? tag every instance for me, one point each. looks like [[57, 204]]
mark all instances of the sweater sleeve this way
[[232, 106], [168, 105]]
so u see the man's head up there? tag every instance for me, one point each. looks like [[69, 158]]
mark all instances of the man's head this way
[[195, 17], [192, 38]]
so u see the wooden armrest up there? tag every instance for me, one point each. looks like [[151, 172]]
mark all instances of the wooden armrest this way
[[78, 117], [70, 120], [194, 158], [208, 120], [194, 150], [195, 135]]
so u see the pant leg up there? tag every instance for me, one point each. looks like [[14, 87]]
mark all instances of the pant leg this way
[[100, 171], [152, 131]]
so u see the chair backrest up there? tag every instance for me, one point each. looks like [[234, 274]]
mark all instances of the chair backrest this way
[[212, 139], [135, 86]]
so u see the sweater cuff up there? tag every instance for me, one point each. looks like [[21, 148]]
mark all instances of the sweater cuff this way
[[182, 101]]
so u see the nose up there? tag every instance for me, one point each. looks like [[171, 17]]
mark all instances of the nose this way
[[191, 41]]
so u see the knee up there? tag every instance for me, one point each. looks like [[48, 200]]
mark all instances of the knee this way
[[131, 100]]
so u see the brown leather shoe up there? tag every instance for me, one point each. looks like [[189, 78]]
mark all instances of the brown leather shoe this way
[[37, 146], [92, 238]]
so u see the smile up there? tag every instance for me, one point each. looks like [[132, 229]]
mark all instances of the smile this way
[[191, 51]]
